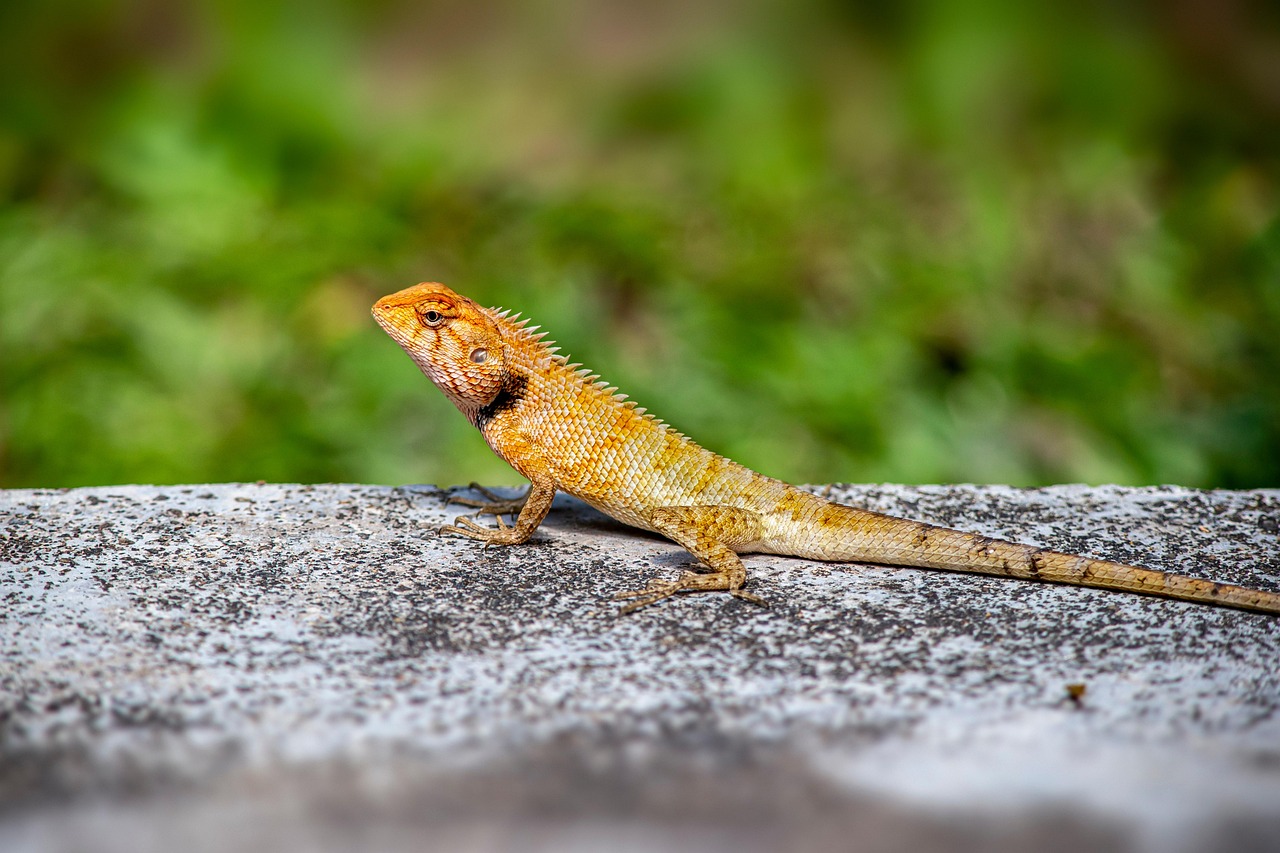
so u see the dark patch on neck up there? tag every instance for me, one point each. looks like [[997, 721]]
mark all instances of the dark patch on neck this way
[[512, 392]]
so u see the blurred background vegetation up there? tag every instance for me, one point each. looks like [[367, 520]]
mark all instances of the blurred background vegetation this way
[[903, 241]]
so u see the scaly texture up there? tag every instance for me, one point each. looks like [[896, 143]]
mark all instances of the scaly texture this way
[[564, 429]]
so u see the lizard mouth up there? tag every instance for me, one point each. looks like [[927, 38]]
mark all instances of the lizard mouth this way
[[385, 314]]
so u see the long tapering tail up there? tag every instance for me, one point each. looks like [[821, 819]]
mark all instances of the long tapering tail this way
[[848, 533]]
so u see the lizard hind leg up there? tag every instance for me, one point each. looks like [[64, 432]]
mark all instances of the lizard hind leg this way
[[710, 533]]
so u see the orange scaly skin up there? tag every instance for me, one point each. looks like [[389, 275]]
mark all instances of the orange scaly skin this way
[[565, 430]]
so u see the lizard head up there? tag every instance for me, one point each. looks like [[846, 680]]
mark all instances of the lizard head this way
[[451, 338]]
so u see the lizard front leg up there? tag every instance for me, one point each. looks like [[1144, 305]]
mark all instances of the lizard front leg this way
[[710, 533], [492, 503], [535, 507]]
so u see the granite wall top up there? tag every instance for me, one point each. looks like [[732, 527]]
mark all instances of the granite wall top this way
[[260, 666]]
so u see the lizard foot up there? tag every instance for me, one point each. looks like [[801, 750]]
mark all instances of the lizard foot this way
[[687, 582], [492, 504], [500, 535]]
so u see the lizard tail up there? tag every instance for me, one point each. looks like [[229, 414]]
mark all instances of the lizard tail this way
[[876, 538]]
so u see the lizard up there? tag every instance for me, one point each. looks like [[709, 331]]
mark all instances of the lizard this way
[[564, 429]]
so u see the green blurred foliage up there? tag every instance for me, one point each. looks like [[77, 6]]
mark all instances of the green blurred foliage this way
[[988, 241]]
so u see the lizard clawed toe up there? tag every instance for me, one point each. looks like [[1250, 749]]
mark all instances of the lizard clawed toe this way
[[464, 526], [643, 598], [659, 589], [747, 596], [503, 534], [492, 504]]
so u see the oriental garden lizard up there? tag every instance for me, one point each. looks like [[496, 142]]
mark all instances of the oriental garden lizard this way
[[565, 430]]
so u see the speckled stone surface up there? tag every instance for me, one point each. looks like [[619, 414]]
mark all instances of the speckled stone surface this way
[[258, 667]]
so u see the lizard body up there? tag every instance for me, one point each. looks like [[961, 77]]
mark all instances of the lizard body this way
[[565, 430]]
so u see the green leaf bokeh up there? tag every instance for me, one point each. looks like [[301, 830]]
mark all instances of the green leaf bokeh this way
[[991, 241]]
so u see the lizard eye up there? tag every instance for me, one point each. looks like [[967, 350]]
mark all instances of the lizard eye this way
[[432, 317], [479, 355]]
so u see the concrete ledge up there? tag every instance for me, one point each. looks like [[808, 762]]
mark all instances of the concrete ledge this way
[[255, 667]]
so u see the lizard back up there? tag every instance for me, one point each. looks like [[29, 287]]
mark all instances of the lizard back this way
[[602, 447]]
